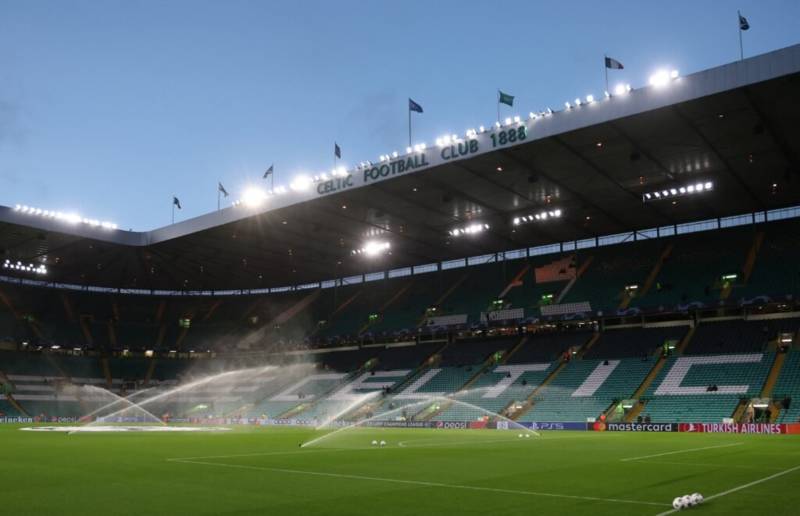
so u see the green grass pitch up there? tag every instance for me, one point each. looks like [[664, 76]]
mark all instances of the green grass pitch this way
[[420, 471]]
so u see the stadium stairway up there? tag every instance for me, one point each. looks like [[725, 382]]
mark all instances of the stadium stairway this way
[[444, 297], [564, 291], [774, 373], [516, 282], [686, 340], [586, 347], [151, 368], [529, 401], [528, 404], [9, 397], [507, 356], [653, 374], [321, 396], [750, 262], [403, 289], [651, 277], [106, 368], [86, 330], [14, 403], [342, 306], [483, 369]]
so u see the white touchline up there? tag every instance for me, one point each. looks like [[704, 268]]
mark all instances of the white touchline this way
[[420, 483], [680, 451], [739, 488]]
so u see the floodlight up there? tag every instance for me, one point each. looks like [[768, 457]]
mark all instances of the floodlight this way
[[253, 196], [300, 183], [660, 78]]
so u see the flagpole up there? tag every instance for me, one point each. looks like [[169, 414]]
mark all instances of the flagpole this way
[[409, 126], [173, 210], [605, 67], [218, 194], [739, 22], [498, 106]]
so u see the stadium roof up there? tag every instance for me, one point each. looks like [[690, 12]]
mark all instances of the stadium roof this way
[[732, 127]]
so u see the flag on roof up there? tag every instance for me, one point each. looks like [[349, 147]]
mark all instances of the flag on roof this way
[[743, 24], [413, 106], [613, 64], [505, 98]]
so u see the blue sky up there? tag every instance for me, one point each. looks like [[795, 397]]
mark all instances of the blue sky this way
[[111, 107]]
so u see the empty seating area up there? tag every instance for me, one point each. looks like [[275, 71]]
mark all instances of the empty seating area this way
[[476, 351], [688, 398], [610, 271], [633, 342], [737, 336], [485, 394], [586, 388], [546, 347], [788, 386], [405, 357], [7, 409]]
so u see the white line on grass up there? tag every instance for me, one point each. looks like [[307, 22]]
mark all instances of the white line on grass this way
[[743, 486], [680, 451], [420, 483]]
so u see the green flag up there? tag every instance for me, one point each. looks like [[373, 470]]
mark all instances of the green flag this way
[[506, 99]]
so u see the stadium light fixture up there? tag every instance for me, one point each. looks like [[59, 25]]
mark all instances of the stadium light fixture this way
[[472, 229], [678, 191], [663, 77], [301, 183], [622, 89], [536, 217], [372, 248], [41, 270], [589, 99], [69, 218], [567, 105], [253, 197]]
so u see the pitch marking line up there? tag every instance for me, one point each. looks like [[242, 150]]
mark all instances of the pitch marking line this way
[[743, 486], [680, 451], [421, 483]]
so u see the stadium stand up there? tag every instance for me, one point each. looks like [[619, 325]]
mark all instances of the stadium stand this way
[[787, 389], [684, 390], [586, 388], [633, 342]]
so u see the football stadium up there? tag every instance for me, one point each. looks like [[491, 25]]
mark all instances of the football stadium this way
[[584, 310]]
